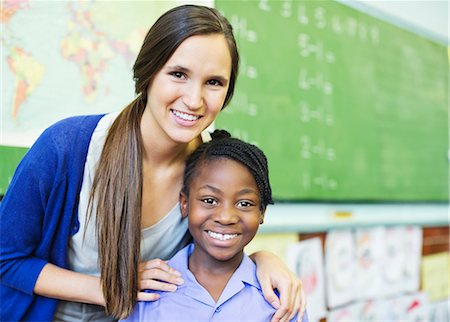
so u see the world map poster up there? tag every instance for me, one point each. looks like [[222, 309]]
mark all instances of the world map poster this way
[[65, 58]]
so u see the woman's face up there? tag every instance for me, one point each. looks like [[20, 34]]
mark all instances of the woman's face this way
[[188, 92]]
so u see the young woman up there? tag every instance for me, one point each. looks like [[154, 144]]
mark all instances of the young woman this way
[[92, 212], [225, 193]]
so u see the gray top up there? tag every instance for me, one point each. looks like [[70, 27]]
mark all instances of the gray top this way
[[161, 240]]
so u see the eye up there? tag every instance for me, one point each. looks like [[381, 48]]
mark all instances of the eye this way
[[209, 201], [177, 74], [245, 204], [214, 82]]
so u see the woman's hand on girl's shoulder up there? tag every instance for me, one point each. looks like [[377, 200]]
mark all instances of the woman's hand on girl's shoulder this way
[[274, 274], [156, 275]]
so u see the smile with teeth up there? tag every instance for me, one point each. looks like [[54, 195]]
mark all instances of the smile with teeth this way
[[185, 116], [221, 236]]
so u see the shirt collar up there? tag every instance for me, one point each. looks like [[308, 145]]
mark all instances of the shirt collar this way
[[245, 273]]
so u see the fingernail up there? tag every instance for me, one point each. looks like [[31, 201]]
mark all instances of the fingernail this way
[[276, 304], [172, 288], [179, 281], [177, 273]]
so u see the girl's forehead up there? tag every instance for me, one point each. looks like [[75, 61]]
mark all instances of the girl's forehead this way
[[219, 161], [208, 167]]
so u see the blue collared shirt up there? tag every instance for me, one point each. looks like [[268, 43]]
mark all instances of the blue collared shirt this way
[[241, 300]]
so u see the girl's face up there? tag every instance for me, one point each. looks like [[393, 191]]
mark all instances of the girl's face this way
[[188, 92], [223, 208]]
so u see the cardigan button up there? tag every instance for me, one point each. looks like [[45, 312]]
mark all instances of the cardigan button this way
[[75, 227]]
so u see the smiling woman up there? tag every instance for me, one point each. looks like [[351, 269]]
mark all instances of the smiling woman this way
[[192, 85], [92, 212]]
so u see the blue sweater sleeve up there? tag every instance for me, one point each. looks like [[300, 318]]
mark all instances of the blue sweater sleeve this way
[[39, 211], [22, 214], [39, 214]]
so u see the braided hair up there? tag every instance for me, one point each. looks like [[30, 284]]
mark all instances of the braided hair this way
[[224, 146]]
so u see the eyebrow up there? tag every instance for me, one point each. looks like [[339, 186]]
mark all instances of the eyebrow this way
[[247, 191], [241, 192], [209, 187], [180, 68]]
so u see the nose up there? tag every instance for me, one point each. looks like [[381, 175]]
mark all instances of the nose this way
[[193, 96], [226, 216]]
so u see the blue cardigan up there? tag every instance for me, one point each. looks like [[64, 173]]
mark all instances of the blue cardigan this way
[[39, 214]]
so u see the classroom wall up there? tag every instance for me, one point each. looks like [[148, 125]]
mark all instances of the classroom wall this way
[[428, 17], [327, 215], [288, 223], [289, 226]]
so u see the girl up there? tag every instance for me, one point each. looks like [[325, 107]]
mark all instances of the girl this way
[[225, 194]]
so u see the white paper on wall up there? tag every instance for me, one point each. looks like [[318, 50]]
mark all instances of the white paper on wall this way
[[416, 307], [401, 263], [409, 307], [346, 313], [439, 311], [394, 309], [340, 263], [369, 310], [369, 261], [306, 259], [412, 248], [393, 261]]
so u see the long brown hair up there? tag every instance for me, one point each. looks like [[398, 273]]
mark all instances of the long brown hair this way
[[117, 185]]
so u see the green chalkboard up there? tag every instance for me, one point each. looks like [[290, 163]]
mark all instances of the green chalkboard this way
[[346, 106], [9, 159]]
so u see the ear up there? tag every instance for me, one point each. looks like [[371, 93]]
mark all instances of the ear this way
[[261, 216], [183, 205]]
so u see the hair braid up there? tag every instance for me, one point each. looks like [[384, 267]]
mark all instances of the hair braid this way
[[223, 145]]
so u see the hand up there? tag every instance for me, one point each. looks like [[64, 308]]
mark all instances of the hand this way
[[274, 274], [158, 276]]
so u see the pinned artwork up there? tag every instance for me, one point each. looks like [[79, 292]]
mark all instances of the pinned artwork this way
[[412, 307], [306, 259], [439, 311], [369, 310], [401, 263], [369, 257], [436, 276], [372, 274], [416, 306], [347, 313], [412, 248], [393, 261], [340, 267]]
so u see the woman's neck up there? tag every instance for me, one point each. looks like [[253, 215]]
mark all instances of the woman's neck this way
[[159, 150], [163, 162]]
